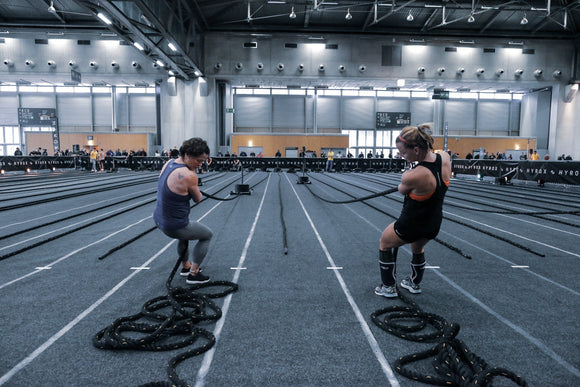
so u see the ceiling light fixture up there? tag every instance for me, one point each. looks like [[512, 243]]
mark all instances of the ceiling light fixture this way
[[410, 17], [470, 19], [172, 47], [104, 18], [524, 20], [139, 46], [159, 63], [51, 8], [348, 15], [292, 14]]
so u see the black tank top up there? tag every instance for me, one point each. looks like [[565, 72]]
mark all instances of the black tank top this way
[[429, 211]]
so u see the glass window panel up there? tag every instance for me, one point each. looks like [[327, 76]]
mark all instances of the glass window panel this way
[[296, 92], [262, 91], [386, 139], [16, 135], [404, 94], [331, 92], [419, 94], [367, 93], [8, 88], [101, 90], [370, 138], [1, 135], [28, 89], [64, 89], [394, 135], [82, 89], [244, 91], [45, 89], [279, 92], [507, 96], [10, 149], [518, 96], [2, 150], [8, 138], [150, 90], [350, 93], [380, 134]]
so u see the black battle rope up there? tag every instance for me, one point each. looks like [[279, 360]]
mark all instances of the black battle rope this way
[[74, 216], [142, 234], [513, 243], [451, 247], [382, 193], [73, 230], [284, 234], [184, 309], [75, 194], [454, 363]]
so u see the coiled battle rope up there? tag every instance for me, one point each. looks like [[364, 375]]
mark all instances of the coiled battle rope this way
[[454, 363], [382, 193], [184, 308]]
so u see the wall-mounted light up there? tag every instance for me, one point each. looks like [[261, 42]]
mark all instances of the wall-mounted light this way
[[115, 65], [362, 68], [104, 19], [292, 14], [300, 67], [8, 62], [460, 70], [239, 66], [421, 70], [321, 67], [441, 70], [29, 63], [518, 72], [51, 64], [135, 65], [217, 66], [480, 71], [260, 66], [72, 64], [557, 73], [348, 15], [499, 72], [538, 72], [94, 65], [280, 66], [341, 68]]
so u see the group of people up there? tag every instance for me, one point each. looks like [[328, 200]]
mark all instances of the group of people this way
[[424, 187]]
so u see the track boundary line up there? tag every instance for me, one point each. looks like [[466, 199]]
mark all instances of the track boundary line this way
[[376, 349]]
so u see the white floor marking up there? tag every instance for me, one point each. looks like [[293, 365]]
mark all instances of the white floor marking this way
[[520, 267], [26, 361], [367, 331], [208, 357]]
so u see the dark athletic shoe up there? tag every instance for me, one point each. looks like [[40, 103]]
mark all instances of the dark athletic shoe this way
[[198, 278], [184, 272], [410, 286]]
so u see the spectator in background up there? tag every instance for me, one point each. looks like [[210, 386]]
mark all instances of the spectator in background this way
[[260, 154], [93, 157], [18, 152], [370, 155], [568, 158], [329, 160], [243, 154], [174, 153], [278, 154], [361, 155], [468, 156], [535, 156]]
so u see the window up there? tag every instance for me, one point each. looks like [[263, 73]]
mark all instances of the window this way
[[9, 140]]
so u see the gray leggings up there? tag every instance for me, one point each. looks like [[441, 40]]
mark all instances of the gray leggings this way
[[193, 231]]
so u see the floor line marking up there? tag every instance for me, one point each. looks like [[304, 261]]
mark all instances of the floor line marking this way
[[38, 351], [208, 357], [365, 327], [238, 268], [43, 268], [334, 267], [139, 268], [520, 266]]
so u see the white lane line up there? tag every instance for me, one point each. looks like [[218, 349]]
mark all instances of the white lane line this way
[[43, 268], [208, 357], [238, 268], [512, 263], [514, 234], [140, 268], [74, 224], [548, 351], [38, 351], [91, 244], [334, 267], [388, 371], [520, 267]]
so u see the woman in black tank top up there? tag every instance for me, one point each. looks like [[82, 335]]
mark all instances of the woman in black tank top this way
[[424, 187]]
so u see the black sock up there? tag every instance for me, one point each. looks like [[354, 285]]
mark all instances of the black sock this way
[[387, 265], [417, 268]]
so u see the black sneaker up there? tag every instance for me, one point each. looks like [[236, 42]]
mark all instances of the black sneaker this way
[[197, 278], [184, 272]]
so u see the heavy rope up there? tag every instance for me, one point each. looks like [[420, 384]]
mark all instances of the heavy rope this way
[[454, 363], [451, 247], [284, 233], [382, 193], [74, 230], [513, 243], [184, 308], [142, 234]]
